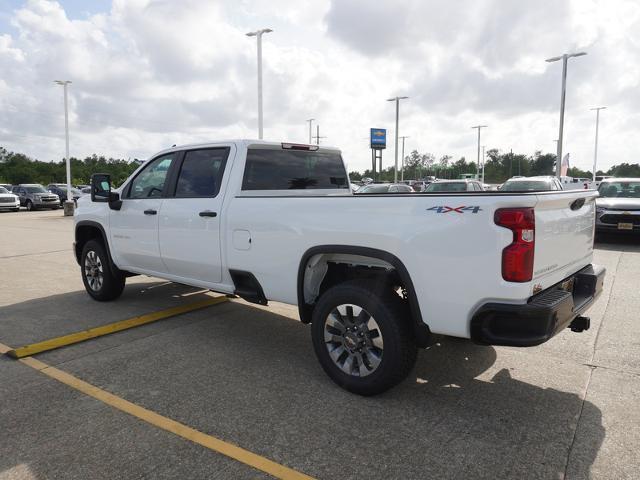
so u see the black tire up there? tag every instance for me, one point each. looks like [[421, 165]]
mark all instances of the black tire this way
[[29, 206], [392, 317], [16, 209], [97, 266]]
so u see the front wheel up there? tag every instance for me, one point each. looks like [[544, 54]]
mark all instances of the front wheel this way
[[362, 337], [29, 205], [98, 278]]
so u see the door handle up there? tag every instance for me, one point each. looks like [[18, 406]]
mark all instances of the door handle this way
[[208, 213], [150, 212]]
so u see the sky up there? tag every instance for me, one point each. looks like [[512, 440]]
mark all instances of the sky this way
[[148, 74]]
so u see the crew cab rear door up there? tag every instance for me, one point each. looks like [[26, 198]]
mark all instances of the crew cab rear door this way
[[189, 229], [564, 234]]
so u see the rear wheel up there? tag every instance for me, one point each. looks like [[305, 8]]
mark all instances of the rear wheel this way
[[362, 337], [98, 278]]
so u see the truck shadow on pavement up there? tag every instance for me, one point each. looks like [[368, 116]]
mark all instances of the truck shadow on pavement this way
[[249, 376], [618, 242]]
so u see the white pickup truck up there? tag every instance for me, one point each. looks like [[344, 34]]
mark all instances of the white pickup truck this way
[[376, 275]]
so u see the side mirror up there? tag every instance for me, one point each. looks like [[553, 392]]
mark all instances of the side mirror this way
[[100, 187], [101, 191]]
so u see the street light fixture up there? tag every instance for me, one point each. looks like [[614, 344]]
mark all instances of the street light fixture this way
[[479, 127], [564, 59], [595, 152], [397, 100], [258, 34], [68, 210]]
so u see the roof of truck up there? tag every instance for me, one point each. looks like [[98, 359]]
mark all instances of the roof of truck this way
[[243, 141]]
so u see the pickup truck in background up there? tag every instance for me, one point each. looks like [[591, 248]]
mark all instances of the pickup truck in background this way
[[376, 275]]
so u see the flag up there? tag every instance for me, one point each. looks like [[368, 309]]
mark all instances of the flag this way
[[564, 168]]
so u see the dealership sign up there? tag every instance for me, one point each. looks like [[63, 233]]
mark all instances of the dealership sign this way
[[378, 138]]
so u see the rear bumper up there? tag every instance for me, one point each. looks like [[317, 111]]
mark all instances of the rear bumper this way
[[543, 316]]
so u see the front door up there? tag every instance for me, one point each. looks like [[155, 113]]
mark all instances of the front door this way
[[190, 219], [134, 228]]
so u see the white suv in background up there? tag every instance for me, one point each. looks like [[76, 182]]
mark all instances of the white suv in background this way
[[8, 201]]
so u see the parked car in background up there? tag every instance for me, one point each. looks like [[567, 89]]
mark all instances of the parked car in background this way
[[60, 189], [34, 196], [9, 201], [82, 187], [531, 184], [385, 188], [618, 205], [601, 178], [454, 186], [86, 190]]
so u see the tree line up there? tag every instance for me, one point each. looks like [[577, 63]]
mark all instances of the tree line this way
[[499, 166], [18, 168]]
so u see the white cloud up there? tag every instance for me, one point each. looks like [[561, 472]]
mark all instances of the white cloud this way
[[148, 74]]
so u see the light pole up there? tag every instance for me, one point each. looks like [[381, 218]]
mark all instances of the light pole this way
[[68, 210], [479, 127], [310, 120], [564, 57], [484, 159], [402, 172], [595, 152], [258, 34], [397, 100]]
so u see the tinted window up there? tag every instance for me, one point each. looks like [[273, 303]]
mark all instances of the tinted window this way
[[374, 189], [201, 173], [447, 187], [269, 169], [149, 183], [620, 189], [37, 189], [528, 186]]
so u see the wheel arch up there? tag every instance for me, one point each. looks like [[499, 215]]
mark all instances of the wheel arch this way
[[89, 230], [381, 259]]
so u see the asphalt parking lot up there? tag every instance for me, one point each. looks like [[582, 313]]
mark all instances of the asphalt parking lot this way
[[247, 376]]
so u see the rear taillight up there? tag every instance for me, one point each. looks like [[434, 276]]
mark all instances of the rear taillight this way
[[517, 258]]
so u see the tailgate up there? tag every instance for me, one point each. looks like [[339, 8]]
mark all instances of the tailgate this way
[[564, 234]]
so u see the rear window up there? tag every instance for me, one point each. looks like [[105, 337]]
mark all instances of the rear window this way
[[527, 186], [269, 169], [447, 187], [374, 189]]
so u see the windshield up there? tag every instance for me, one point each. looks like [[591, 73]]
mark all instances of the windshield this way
[[447, 187], [3, 190], [36, 189], [620, 189], [374, 189], [526, 186]]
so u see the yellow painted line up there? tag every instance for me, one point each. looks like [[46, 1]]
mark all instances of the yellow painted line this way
[[212, 443], [77, 337]]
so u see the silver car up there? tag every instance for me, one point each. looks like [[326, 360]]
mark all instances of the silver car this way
[[618, 205], [34, 196]]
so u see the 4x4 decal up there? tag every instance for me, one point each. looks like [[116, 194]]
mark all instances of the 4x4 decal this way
[[445, 209]]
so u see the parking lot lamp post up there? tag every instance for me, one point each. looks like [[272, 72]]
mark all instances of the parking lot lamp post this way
[[64, 84], [402, 171], [484, 160], [479, 127], [397, 100], [564, 57], [310, 120], [595, 152], [258, 34]]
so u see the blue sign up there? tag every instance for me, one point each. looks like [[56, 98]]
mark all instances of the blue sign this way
[[379, 138]]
